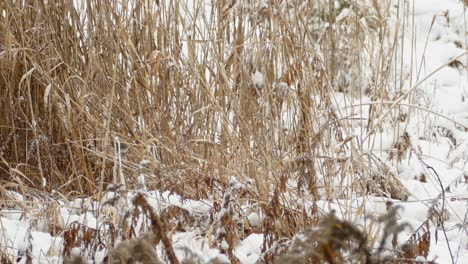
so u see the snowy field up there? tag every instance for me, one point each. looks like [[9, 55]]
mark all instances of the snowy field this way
[[434, 94]]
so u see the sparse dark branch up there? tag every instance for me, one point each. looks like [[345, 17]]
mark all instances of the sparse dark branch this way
[[441, 221]]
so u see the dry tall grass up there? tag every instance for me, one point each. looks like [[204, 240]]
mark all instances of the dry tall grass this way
[[90, 90]]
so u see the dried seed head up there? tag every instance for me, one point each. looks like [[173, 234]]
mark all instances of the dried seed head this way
[[281, 90], [257, 80]]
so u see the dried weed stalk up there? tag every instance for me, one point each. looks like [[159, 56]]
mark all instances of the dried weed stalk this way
[[335, 241], [87, 239], [158, 226], [227, 218]]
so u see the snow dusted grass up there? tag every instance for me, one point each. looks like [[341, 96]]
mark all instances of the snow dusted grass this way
[[217, 132]]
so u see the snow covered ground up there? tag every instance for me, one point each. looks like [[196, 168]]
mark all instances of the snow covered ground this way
[[438, 181]]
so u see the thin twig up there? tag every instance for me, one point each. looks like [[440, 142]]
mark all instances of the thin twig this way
[[441, 221]]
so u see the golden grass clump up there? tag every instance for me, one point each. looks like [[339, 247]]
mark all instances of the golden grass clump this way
[[199, 91]]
